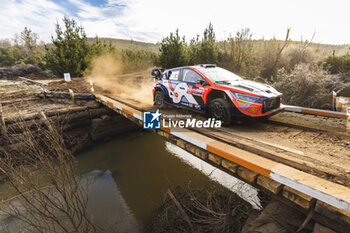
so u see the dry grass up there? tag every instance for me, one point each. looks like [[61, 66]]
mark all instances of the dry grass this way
[[205, 210], [43, 174]]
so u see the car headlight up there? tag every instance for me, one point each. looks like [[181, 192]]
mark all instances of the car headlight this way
[[248, 98]]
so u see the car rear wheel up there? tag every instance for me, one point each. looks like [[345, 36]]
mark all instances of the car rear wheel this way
[[220, 109], [159, 99]]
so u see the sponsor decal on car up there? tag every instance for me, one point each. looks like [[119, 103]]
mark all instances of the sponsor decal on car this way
[[253, 109], [195, 90], [242, 101]]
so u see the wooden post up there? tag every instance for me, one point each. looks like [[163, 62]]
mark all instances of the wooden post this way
[[71, 93], [340, 105], [43, 92], [3, 128], [334, 95], [92, 89], [33, 81]]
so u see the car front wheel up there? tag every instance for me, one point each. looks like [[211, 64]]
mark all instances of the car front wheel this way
[[220, 109], [159, 99]]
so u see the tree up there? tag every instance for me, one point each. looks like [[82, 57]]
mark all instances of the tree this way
[[208, 51], [193, 51], [25, 50], [238, 53], [28, 41], [273, 52], [173, 51], [71, 52]]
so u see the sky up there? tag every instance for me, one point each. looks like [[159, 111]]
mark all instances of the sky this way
[[151, 20]]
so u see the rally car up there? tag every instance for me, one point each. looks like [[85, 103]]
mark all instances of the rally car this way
[[215, 91]]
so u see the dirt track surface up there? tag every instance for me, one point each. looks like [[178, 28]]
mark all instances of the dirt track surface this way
[[318, 152], [332, 125], [77, 85]]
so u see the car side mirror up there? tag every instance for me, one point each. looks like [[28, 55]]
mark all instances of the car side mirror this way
[[156, 73]]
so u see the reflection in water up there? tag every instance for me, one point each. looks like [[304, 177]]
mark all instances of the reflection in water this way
[[105, 204], [131, 174], [143, 170], [244, 190], [116, 215], [144, 166]]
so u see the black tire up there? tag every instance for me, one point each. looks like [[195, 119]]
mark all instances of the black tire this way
[[159, 99], [220, 109]]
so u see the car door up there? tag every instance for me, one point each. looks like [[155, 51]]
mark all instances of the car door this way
[[193, 82], [172, 85]]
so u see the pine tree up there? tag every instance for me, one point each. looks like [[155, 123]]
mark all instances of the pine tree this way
[[173, 51], [208, 51], [71, 52]]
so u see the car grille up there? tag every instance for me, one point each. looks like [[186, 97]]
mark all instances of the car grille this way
[[271, 104]]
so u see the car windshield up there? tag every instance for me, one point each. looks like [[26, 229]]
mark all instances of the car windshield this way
[[219, 75]]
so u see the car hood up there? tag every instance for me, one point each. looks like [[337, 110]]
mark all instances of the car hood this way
[[254, 87]]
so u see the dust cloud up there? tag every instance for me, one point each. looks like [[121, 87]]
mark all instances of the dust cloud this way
[[106, 73]]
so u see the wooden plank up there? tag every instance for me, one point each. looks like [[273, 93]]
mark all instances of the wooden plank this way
[[33, 81], [318, 188], [51, 94], [314, 111]]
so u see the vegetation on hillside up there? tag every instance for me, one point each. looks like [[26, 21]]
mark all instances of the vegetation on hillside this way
[[271, 61], [250, 58], [337, 64], [25, 49], [300, 70]]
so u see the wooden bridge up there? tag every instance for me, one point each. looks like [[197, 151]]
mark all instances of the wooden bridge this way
[[319, 191]]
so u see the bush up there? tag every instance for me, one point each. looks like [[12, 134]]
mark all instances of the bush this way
[[136, 59], [303, 86], [9, 56], [337, 64]]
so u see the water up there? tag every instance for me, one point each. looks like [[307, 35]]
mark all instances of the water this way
[[131, 174], [142, 167]]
